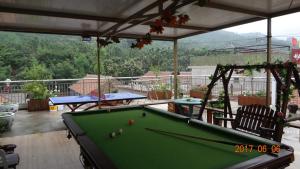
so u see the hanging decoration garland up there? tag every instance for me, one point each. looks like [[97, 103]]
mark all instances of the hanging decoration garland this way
[[108, 40], [167, 18], [282, 73], [280, 118]]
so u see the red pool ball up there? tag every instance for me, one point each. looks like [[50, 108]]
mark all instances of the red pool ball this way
[[130, 122]]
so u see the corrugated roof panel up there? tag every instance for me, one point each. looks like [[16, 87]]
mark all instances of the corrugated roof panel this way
[[209, 17], [268, 6], [77, 16], [52, 22], [109, 8]]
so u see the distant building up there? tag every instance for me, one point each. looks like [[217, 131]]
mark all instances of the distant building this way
[[3, 99], [164, 76], [209, 70], [89, 85], [201, 73]]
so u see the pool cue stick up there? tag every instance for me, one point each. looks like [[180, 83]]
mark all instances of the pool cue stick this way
[[206, 139], [194, 137]]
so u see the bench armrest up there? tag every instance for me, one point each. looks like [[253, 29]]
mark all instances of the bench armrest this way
[[267, 129], [225, 119]]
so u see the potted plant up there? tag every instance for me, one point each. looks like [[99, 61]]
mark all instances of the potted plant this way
[[218, 104], [38, 95], [259, 98], [199, 92], [293, 106], [160, 92]]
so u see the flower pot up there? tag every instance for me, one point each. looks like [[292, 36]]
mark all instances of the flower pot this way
[[8, 107], [250, 100], [217, 121], [293, 108], [38, 104], [159, 94], [6, 120], [198, 94]]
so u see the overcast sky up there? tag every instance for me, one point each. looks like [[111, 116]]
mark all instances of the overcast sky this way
[[282, 27]]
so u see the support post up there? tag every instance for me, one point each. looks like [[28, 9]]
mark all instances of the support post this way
[[175, 64], [269, 43], [98, 71], [286, 89], [227, 105], [210, 86]]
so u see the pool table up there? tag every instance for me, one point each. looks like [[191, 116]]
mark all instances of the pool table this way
[[142, 146]]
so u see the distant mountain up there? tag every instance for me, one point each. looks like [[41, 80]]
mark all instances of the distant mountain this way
[[225, 39]]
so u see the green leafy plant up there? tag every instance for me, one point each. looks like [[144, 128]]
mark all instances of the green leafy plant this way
[[155, 70], [114, 90], [261, 93], [219, 103], [218, 114], [161, 86], [37, 90], [248, 72], [200, 88]]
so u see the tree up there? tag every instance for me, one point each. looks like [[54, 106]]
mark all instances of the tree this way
[[65, 70], [36, 72]]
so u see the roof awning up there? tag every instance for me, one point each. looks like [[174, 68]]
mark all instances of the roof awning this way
[[131, 18]]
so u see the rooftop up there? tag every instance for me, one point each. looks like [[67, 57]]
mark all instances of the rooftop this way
[[131, 19]]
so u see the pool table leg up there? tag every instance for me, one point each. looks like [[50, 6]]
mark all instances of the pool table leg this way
[[191, 111], [209, 116]]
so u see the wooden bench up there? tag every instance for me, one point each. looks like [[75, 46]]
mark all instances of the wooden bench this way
[[257, 120]]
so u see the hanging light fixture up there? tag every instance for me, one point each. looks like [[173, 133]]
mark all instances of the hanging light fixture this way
[[86, 38]]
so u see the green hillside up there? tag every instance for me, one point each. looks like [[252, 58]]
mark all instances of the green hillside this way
[[22, 54]]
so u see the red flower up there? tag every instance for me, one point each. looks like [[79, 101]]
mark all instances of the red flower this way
[[280, 114], [104, 42], [183, 19], [156, 29], [280, 118], [140, 45], [115, 39], [158, 22], [173, 21], [133, 45], [286, 64], [167, 16], [283, 87], [146, 41]]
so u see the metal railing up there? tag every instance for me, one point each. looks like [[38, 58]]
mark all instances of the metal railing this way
[[13, 91]]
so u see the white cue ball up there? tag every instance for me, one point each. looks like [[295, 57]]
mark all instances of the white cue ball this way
[[120, 131]]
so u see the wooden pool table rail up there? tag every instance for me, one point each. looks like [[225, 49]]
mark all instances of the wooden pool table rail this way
[[97, 158]]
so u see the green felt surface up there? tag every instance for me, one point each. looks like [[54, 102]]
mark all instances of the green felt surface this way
[[138, 148]]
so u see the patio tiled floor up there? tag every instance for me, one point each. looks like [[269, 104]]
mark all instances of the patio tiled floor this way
[[42, 142]]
